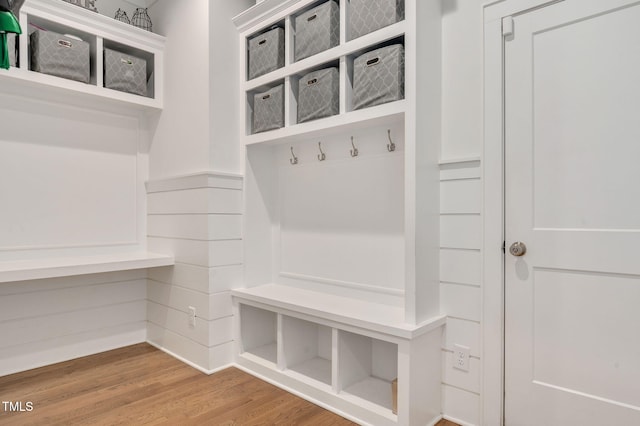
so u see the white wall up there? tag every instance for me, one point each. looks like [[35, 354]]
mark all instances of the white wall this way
[[462, 35], [180, 143], [199, 219], [194, 207], [47, 321], [109, 8], [226, 154], [197, 129], [460, 203]]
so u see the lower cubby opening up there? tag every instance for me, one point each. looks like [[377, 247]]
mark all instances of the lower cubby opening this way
[[367, 367], [307, 349], [258, 329]]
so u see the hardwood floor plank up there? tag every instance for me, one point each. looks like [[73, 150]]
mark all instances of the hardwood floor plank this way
[[141, 385]]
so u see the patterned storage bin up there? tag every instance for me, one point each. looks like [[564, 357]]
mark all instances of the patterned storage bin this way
[[366, 16], [319, 94], [12, 45], [125, 73], [266, 52], [378, 77], [268, 109], [59, 55], [317, 30]]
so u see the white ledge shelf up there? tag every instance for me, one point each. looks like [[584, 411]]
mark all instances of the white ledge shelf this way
[[338, 124], [23, 270], [354, 312], [22, 82]]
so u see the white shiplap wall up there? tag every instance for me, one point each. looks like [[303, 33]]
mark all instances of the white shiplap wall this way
[[61, 163], [197, 218], [52, 320], [460, 291]]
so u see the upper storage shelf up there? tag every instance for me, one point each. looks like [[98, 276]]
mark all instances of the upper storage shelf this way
[[100, 33], [282, 56]]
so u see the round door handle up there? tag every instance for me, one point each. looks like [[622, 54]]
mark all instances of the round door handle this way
[[518, 248]]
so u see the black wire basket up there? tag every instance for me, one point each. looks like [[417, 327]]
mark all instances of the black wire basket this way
[[121, 16], [141, 19]]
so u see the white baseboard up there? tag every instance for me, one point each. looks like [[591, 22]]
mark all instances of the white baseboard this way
[[189, 363], [458, 421]]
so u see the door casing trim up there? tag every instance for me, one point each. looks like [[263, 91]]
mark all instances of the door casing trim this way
[[493, 214]]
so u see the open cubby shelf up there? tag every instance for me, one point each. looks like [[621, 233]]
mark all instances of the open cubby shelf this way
[[305, 350], [259, 329], [99, 32]]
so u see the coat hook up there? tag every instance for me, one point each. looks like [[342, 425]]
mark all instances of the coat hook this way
[[354, 151], [293, 159], [321, 156], [390, 146]]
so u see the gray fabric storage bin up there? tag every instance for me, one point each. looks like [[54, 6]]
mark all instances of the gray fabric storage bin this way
[[12, 44], [317, 30], [59, 55], [319, 94], [266, 52], [125, 73], [378, 77], [366, 16], [268, 109]]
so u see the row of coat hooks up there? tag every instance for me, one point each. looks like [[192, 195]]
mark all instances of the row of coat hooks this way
[[391, 146]]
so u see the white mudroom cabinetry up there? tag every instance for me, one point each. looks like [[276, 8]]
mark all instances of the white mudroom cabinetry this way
[[75, 153], [341, 226], [100, 32]]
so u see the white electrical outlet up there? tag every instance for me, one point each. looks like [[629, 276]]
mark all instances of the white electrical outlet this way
[[461, 357], [192, 316]]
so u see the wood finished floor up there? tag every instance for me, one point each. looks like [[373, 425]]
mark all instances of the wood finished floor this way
[[140, 385]]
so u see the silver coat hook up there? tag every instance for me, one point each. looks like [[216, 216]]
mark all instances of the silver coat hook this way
[[390, 146], [293, 159], [354, 151], [321, 156]]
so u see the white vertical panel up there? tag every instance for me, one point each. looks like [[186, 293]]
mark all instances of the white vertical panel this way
[[178, 298], [460, 196], [460, 266], [196, 201], [460, 301], [462, 332], [200, 253], [460, 406], [197, 227], [467, 380], [220, 305], [460, 231]]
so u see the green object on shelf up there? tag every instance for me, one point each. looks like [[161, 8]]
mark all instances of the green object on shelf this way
[[8, 24]]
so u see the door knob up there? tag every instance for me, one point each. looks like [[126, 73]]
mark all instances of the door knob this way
[[518, 248]]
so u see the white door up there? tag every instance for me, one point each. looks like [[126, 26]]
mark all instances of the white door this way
[[572, 191]]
